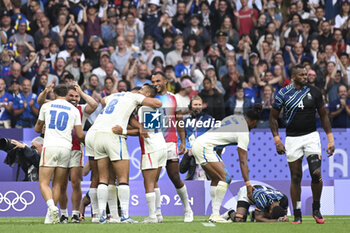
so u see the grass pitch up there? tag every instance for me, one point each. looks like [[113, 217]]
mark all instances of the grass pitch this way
[[336, 224]]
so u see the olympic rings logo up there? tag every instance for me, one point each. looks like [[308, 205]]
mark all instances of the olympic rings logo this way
[[15, 201]]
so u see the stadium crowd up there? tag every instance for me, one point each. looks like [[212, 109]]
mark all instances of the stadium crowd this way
[[231, 53]]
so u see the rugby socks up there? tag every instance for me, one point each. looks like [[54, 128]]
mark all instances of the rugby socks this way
[[297, 211], [151, 202], [219, 197], [182, 192], [75, 212], [212, 192], [316, 205], [113, 200], [94, 201], [102, 195], [50, 204], [124, 195], [158, 201], [64, 212]]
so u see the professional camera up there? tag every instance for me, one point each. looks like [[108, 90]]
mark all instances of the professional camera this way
[[6, 144], [23, 157]]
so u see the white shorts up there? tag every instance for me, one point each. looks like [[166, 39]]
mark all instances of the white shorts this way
[[109, 144], [243, 195], [204, 155], [53, 156], [154, 159], [76, 159], [90, 143], [298, 146], [172, 150]]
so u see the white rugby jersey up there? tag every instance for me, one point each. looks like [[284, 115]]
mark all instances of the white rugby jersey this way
[[119, 107], [60, 117], [233, 131], [156, 140]]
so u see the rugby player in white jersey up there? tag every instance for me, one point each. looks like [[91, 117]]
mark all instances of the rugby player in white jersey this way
[[153, 158], [112, 147], [76, 161], [60, 118], [234, 129]]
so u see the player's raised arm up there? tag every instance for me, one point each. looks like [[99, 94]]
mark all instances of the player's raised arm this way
[[91, 102], [152, 102], [42, 96]]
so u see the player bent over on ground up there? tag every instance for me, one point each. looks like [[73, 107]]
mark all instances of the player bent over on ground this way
[[271, 205], [59, 117], [234, 129]]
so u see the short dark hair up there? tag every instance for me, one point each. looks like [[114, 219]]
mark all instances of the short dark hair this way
[[169, 67], [277, 212], [295, 68], [136, 89], [61, 90], [152, 89], [71, 87], [207, 79], [254, 112], [160, 73]]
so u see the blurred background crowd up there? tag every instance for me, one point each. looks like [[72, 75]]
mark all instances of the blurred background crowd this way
[[232, 53]]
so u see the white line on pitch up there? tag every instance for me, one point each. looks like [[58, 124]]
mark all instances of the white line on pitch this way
[[208, 224]]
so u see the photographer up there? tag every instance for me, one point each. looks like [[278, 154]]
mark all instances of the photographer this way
[[188, 162], [28, 158]]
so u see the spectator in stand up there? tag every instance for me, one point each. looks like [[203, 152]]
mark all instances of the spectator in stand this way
[[251, 89], [214, 58], [106, 68], [167, 46], [272, 15], [230, 80], [232, 34], [149, 53], [40, 84], [222, 45], [122, 86], [92, 20], [86, 71], [164, 26], [173, 84], [266, 102], [158, 65], [325, 35], [339, 45], [195, 28], [74, 64], [15, 74], [181, 18], [92, 87], [218, 13], [245, 18], [344, 59], [213, 100], [174, 57], [341, 21], [109, 87], [130, 41], [340, 109], [92, 51], [151, 17], [45, 30], [193, 47], [184, 68], [121, 56], [5, 21], [22, 26], [25, 106], [70, 45], [138, 78], [238, 104], [108, 30], [182, 97], [135, 25], [6, 104], [30, 69]]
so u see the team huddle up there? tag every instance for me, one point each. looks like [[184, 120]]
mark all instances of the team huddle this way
[[122, 116]]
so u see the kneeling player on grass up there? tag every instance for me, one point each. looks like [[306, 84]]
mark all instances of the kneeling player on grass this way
[[234, 129], [271, 205]]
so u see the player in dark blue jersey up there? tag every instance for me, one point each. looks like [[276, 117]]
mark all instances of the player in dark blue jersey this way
[[271, 205], [299, 102]]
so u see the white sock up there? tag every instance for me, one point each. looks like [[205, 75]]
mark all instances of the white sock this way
[[182, 192], [94, 201], [212, 192], [124, 195], [158, 201], [64, 212], [102, 195], [50, 203], [75, 212], [298, 205], [113, 200], [219, 197], [151, 202]]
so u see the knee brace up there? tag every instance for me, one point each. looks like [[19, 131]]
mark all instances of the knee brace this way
[[314, 162], [228, 177]]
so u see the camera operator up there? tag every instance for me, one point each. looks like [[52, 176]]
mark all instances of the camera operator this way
[[193, 131], [27, 157]]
